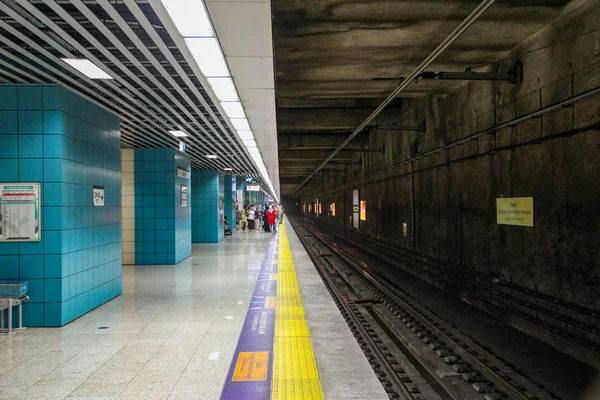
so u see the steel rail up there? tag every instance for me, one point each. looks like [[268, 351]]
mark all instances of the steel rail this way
[[496, 376], [343, 303], [481, 8]]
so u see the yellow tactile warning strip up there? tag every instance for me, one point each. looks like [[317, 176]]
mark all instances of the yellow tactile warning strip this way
[[295, 373]]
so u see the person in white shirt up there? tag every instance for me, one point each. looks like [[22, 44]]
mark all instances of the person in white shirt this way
[[251, 215]]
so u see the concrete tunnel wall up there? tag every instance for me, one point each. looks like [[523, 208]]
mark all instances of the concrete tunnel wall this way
[[555, 159]]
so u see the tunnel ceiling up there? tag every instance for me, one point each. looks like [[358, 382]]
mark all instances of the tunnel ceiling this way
[[336, 60], [154, 89]]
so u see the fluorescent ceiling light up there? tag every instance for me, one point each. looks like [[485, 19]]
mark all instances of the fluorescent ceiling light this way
[[245, 135], [250, 142], [87, 68], [178, 133], [208, 55], [240, 124], [224, 89], [211, 156], [228, 169], [233, 109], [190, 17]]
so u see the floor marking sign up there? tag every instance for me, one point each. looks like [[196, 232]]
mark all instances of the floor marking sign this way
[[251, 366], [251, 371]]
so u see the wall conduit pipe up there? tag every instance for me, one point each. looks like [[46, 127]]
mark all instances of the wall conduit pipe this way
[[460, 29]]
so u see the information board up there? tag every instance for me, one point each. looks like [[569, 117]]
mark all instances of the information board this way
[[98, 193], [514, 211], [20, 212]]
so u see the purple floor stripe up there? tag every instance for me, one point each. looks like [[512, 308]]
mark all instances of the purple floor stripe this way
[[249, 376]]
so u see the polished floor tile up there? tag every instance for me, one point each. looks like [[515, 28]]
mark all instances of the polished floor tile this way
[[171, 335]]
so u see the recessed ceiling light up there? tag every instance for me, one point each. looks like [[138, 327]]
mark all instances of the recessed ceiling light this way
[[190, 17], [233, 109], [87, 68], [211, 156], [240, 124], [224, 89], [245, 135], [208, 55], [178, 133], [228, 169]]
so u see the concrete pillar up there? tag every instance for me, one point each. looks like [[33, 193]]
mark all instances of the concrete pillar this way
[[163, 218], [208, 195], [52, 136]]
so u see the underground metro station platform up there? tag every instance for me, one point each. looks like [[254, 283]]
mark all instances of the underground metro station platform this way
[[274, 199]]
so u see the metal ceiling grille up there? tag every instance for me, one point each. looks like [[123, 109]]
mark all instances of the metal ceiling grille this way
[[154, 89]]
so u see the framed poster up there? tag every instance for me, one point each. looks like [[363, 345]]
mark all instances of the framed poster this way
[[183, 196], [20, 212]]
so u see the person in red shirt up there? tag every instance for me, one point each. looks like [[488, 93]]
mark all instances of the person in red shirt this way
[[271, 218]]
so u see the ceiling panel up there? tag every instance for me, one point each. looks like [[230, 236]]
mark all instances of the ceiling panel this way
[[154, 89]]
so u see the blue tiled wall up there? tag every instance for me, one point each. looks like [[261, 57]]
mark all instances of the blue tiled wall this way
[[51, 135], [207, 193], [162, 225]]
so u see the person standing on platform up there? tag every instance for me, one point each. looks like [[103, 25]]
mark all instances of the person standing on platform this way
[[265, 220], [251, 216], [244, 219], [280, 214], [271, 218]]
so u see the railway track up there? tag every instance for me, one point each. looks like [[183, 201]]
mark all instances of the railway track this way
[[415, 352]]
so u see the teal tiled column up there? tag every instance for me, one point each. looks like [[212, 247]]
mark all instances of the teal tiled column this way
[[51, 135], [208, 206], [162, 221]]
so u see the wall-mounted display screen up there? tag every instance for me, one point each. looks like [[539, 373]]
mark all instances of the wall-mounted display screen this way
[[20, 212]]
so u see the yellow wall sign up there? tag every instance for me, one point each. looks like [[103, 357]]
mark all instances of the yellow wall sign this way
[[251, 366], [515, 211]]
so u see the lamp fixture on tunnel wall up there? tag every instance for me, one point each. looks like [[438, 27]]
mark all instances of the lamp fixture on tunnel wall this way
[[333, 209], [515, 76], [363, 210], [87, 68]]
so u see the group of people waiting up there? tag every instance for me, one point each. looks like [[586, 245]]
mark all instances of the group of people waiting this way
[[254, 216]]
